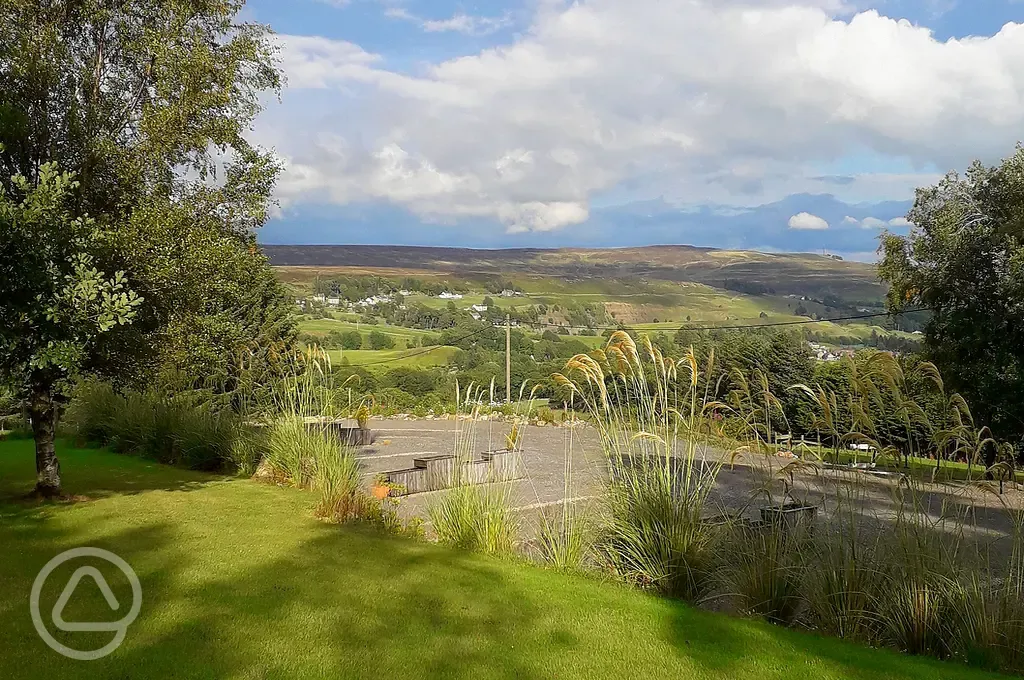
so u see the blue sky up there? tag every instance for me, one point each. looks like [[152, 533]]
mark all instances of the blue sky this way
[[626, 122]]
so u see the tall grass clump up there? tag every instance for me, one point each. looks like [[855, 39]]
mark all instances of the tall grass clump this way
[[844, 576], [297, 436], [567, 531], [169, 429], [337, 479], [293, 449], [649, 410], [920, 563], [247, 449], [990, 612], [766, 568], [476, 517], [473, 516]]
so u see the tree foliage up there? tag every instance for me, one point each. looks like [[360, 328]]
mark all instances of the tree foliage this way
[[144, 105], [964, 260]]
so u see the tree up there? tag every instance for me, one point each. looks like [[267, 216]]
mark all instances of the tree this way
[[380, 340], [964, 261], [143, 106], [351, 340], [56, 304]]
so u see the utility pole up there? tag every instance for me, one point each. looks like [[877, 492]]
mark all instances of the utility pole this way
[[508, 359]]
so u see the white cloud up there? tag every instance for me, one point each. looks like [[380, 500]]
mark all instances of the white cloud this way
[[724, 101], [458, 22], [875, 223], [806, 220]]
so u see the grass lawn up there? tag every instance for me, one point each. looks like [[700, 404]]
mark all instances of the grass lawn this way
[[239, 581], [922, 468]]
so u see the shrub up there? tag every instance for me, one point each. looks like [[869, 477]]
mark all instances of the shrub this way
[[546, 415]]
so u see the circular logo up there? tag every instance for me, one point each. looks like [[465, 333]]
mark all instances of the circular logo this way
[[117, 627]]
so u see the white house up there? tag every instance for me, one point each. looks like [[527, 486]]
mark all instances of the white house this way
[[320, 298], [450, 296], [374, 300], [334, 302], [479, 308], [510, 293]]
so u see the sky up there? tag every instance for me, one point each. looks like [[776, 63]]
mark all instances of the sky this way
[[776, 125]]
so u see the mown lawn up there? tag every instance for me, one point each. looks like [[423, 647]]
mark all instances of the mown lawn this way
[[239, 581]]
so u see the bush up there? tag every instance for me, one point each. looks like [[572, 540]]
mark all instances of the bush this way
[[412, 381], [546, 415]]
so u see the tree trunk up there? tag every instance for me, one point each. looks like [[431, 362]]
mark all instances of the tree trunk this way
[[43, 413]]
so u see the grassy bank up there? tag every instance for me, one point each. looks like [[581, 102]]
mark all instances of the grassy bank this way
[[239, 581]]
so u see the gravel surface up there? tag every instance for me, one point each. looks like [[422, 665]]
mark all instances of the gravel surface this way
[[557, 469]]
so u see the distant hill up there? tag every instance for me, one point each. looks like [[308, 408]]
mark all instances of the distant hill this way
[[751, 272]]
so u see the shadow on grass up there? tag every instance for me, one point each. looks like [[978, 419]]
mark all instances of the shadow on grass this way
[[89, 473], [238, 582]]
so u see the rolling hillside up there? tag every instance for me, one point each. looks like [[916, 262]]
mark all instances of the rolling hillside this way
[[815, 276]]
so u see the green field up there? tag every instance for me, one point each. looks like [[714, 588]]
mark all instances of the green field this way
[[239, 581], [646, 302], [401, 334], [420, 357]]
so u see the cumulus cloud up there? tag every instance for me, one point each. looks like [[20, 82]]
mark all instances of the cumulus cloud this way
[[875, 223], [458, 22], [806, 220], [726, 101]]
